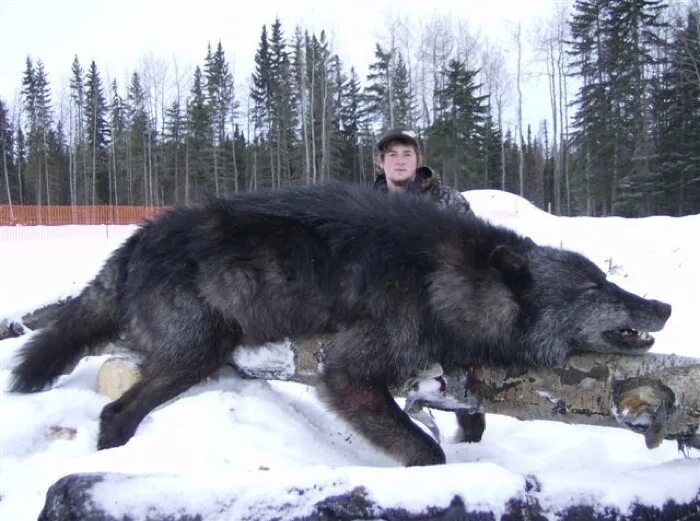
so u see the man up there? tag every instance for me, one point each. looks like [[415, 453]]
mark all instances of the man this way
[[399, 157]]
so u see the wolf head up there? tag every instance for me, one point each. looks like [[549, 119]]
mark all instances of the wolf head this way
[[566, 305]]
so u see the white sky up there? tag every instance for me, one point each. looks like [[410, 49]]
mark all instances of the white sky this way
[[118, 35]]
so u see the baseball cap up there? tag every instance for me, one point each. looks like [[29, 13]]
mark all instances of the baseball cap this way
[[398, 134]]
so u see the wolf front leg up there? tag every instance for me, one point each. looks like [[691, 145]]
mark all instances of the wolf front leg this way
[[371, 410]]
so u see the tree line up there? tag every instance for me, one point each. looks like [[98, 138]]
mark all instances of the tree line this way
[[623, 137]]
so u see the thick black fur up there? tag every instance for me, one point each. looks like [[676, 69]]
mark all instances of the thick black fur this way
[[401, 284]]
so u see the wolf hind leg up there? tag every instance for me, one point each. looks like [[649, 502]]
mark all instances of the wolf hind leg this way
[[160, 382], [372, 411]]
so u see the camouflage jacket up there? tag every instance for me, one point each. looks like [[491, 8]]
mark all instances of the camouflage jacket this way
[[427, 183]]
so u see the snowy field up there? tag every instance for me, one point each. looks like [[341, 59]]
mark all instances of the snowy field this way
[[258, 439]]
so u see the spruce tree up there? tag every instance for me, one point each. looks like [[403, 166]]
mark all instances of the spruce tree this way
[[678, 99], [404, 103], [261, 94], [380, 91], [97, 137], [612, 48], [456, 138], [37, 105], [118, 132], [175, 123], [79, 169], [219, 88], [6, 156], [137, 166], [197, 181], [282, 113]]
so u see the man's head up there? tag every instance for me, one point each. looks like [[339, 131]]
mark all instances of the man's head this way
[[399, 157]]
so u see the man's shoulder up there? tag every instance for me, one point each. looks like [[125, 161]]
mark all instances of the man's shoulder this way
[[452, 198]]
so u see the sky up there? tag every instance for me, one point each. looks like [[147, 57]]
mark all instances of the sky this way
[[118, 35], [238, 449]]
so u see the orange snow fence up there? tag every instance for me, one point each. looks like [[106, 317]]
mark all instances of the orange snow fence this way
[[29, 215]]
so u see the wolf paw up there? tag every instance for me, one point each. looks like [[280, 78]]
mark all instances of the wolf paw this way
[[643, 405]]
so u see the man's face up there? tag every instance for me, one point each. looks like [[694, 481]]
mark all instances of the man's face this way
[[399, 164]]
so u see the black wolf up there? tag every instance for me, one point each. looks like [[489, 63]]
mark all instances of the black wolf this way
[[400, 283]]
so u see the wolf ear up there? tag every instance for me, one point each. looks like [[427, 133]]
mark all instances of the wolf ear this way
[[512, 265]]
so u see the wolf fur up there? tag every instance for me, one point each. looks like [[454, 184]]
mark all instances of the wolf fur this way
[[400, 283]]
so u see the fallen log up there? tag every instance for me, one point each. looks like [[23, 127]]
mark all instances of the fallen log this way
[[335, 494], [656, 395]]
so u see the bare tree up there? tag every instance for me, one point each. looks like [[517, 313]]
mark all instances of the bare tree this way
[[17, 117], [562, 70], [177, 85], [437, 48], [6, 176], [499, 83], [154, 73], [521, 165]]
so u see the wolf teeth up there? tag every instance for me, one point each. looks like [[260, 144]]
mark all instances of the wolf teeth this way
[[643, 335]]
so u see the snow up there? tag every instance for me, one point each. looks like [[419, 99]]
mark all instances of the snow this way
[[262, 439]]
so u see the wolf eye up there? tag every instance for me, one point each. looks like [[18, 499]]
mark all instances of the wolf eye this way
[[589, 286]]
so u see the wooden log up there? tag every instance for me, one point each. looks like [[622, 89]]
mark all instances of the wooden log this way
[[656, 395]]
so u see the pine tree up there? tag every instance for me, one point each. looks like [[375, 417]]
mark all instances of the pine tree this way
[[456, 138], [175, 131], [78, 160], [282, 113], [261, 94], [322, 104], [219, 87], [353, 120], [6, 156], [198, 141], [21, 164], [97, 138], [118, 132], [58, 155], [37, 106], [612, 45], [492, 152], [380, 91], [678, 99], [404, 103], [137, 166], [634, 26], [591, 121]]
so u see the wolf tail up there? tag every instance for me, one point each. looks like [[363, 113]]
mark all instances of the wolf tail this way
[[79, 326]]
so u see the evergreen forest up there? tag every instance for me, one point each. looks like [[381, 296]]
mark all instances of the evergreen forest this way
[[623, 136]]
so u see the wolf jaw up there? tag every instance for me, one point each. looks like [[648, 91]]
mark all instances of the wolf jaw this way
[[628, 339]]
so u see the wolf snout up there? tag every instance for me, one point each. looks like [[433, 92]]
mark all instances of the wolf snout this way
[[661, 309]]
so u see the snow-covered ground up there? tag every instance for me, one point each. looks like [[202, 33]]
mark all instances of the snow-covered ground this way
[[260, 439]]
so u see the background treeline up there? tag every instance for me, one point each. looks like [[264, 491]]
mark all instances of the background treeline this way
[[623, 137]]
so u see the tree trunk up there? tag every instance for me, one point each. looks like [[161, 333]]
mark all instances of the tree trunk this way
[[187, 170], [324, 130], [521, 166], [563, 119], [233, 154], [555, 189], [6, 176], [312, 122], [94, 151]]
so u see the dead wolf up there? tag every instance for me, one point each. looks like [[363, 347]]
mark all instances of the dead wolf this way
[[399, 283]]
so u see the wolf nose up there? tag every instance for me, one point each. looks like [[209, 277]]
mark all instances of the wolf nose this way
[[661, 309]]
